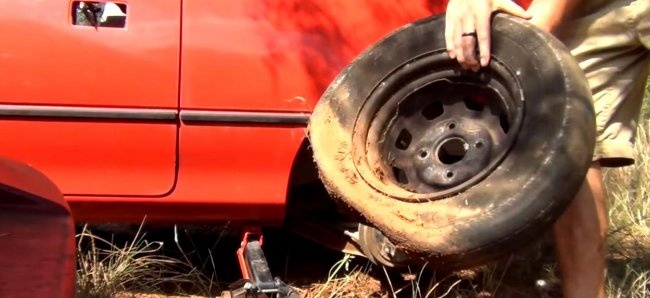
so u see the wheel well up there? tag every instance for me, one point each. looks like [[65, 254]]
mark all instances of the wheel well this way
[[307, 197], [306, 194], [303, 170]]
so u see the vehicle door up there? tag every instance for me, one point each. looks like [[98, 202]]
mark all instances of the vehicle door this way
[[89, 93]]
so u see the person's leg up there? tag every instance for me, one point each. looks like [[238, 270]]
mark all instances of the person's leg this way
[[580, 240], [615, 59]]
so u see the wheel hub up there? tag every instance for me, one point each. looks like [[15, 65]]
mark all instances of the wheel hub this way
[[431, 133], [451, 153]]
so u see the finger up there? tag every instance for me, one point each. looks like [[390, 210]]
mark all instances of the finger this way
[[458, 42], [512, 8], [449, 35], [469, 44], [483, 36]]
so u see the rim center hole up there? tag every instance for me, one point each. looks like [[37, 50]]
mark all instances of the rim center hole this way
[[452, 150]]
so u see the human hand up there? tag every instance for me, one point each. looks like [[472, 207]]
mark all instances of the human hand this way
[[468, 21]]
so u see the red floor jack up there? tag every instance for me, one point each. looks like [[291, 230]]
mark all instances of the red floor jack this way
[[257, 281]]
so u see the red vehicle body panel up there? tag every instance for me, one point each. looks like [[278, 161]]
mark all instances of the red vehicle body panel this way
[[210, 99], [95, 157]]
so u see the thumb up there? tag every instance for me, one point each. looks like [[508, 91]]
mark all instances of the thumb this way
[[512, 8]]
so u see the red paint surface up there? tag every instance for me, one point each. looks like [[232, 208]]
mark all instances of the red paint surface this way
[[47, 60], [277, 55], [225, 173], [95, 157]]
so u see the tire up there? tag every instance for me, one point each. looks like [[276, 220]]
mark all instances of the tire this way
[[537, 125]]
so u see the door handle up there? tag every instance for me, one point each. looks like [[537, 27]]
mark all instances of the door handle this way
[[99, 14]]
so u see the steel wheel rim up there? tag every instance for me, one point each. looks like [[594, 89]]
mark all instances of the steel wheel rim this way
[[420, 170]]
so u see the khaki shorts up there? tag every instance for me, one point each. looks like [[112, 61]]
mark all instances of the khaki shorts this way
[[611, 42]]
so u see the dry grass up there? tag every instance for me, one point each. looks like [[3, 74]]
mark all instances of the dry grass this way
[[343, 281], [104, 269], [629, 216]]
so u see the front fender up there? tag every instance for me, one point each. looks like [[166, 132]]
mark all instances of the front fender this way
[[37, 246]]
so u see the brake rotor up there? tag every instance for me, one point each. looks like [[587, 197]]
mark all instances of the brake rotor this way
[[380, 250]]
